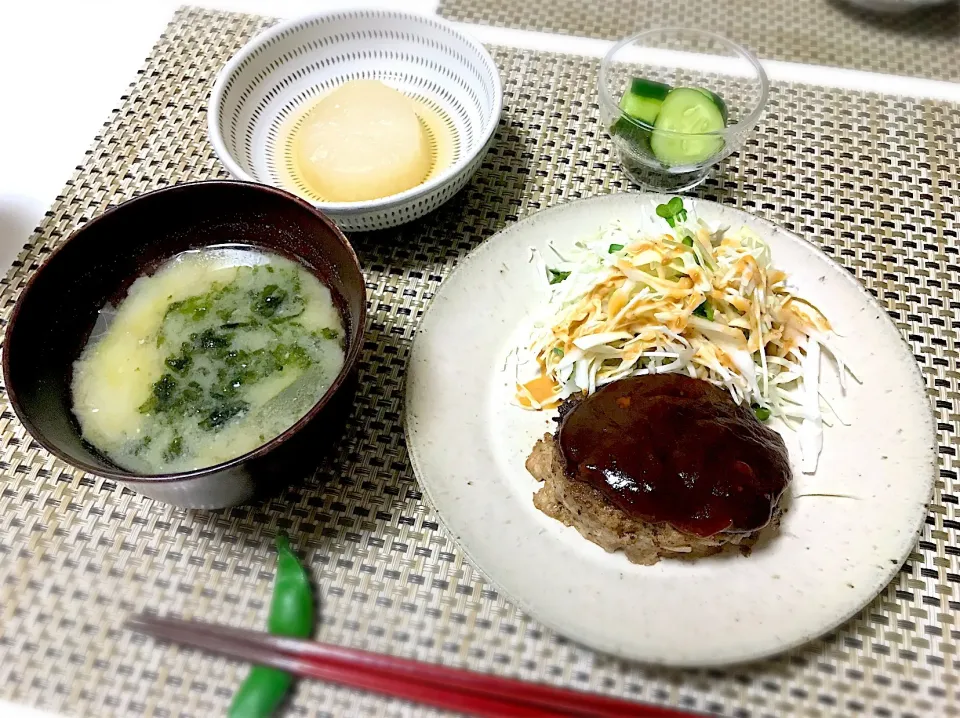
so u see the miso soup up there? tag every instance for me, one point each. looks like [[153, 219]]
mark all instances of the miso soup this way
[[217, 352]]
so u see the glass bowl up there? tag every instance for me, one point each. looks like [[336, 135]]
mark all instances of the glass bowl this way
[[652, 154]]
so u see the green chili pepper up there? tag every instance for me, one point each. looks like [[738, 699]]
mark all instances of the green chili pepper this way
[[291, 611], [261, 693], [291, 614]]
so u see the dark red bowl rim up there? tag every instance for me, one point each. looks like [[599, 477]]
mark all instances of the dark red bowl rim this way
[[353, 348]]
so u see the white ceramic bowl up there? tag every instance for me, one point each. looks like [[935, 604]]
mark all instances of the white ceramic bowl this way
[[294, 62]]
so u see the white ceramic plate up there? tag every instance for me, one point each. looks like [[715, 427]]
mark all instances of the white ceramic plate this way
[[468, 444]]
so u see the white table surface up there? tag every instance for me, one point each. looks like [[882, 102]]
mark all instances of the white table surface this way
[[63, 68]]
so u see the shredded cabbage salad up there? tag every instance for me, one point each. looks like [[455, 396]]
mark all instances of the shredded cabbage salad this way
[[698, 300]]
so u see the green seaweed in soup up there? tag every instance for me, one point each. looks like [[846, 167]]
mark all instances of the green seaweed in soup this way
[[216, 353]]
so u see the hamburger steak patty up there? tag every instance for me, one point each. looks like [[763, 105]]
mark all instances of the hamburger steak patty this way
[[661, 466]]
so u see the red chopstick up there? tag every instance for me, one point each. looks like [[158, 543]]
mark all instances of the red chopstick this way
[[478, 694]]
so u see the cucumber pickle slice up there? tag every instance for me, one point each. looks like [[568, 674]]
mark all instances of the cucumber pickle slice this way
[[692, 113], [643, 100], [718, 101]]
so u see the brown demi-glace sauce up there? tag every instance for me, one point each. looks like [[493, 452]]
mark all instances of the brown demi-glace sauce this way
[[667, 448]]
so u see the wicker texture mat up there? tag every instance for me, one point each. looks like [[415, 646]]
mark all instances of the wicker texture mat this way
[[866, 177], [922, 43]]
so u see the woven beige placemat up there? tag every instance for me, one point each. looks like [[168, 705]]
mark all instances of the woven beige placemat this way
[[922, 43], [868, 178]]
